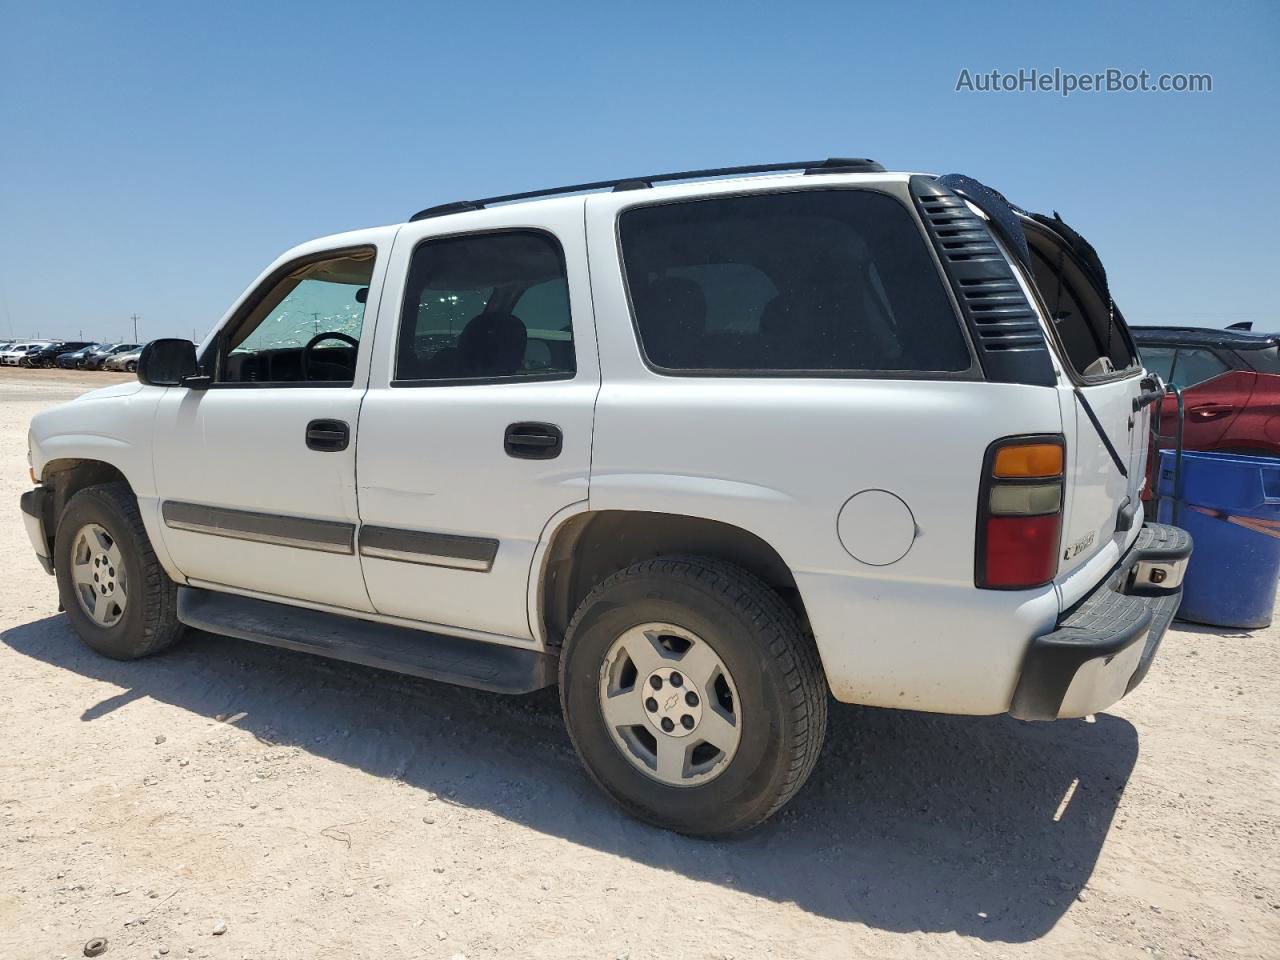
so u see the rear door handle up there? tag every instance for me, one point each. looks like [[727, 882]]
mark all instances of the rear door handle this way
[[1211, 411], [328, 436], [533, 441]]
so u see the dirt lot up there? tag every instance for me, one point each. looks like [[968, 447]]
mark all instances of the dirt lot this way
[[316, 809]]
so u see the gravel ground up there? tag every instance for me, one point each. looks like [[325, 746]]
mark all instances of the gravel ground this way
[[231, 800]]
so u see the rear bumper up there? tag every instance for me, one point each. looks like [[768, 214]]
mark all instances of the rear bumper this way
[[33, 513], [1103, 646]]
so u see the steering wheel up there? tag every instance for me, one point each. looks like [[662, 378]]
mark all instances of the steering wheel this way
[[320, 338]]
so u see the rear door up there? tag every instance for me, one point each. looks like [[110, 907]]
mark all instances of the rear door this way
[[1213, 395], [1106, 438], [476, 429]]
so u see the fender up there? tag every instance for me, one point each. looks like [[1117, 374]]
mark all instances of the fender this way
[[111, 426]]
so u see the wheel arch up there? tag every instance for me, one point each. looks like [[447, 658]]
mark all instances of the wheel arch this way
[[67, 476], [589, 546]]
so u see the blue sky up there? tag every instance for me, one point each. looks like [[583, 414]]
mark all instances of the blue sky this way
[[155, 157]]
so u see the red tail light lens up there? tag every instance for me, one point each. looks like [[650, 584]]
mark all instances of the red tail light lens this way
[[1020, 513], [1021, 551]]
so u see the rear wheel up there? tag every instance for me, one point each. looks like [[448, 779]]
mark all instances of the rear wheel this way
[[692, 695], [115, 593]]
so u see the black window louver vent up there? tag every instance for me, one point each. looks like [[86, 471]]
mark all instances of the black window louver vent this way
[[1003, 324]]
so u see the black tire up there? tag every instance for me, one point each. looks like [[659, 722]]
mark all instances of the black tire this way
[[149, 621], [131, 366], [782, 692]]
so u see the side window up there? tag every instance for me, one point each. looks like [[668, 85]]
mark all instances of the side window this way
[[303, 326], [816, 282], [1159, 360], [1196, 366], [485, 307]]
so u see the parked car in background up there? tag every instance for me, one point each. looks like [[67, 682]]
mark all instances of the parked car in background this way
[[70, 359], [17, 351], [46, 355], [1231, 386], [94, 359], [126, 360]]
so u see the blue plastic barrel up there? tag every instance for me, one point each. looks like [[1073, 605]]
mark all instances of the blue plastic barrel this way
[[1231, 507]]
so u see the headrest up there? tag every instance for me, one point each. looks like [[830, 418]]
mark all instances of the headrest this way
[[492, 345], [676, 298]]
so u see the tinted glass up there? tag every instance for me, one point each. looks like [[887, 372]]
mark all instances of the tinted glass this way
[[484, 307], [815, 281], [1159, 360], [1196, 366], [1266, 360], [288, 335]]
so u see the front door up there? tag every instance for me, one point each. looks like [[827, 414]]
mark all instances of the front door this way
[[256, 474], [476, 430]]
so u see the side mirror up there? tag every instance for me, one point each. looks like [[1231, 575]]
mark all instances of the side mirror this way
[[168, 363]]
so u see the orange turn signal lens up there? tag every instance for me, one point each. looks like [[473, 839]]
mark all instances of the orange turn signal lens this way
[[1028, 460]]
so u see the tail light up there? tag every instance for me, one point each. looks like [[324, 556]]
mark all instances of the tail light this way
[[1020, 513]]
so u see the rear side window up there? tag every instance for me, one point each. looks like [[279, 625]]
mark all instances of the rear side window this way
[[1196, 365], [1184, 366], [818, 282], [486, 307], [1159, 360], [1266, 360]]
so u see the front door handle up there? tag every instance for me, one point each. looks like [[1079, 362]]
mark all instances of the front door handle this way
[[328, 436], [533, 441]]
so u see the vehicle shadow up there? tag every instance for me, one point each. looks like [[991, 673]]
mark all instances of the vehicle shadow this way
[[913, 822], [1213, 630]]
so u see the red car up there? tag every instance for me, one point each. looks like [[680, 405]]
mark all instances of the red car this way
[[1230, 381]]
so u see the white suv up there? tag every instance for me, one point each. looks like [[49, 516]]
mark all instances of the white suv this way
[[700, 449], [10, 356]]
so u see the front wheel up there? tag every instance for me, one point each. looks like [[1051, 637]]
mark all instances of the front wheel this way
[[116, 595], [692, 695]]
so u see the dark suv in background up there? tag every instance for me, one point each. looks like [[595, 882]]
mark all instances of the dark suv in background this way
[[1230, 381], [70, 358], [45, 356]]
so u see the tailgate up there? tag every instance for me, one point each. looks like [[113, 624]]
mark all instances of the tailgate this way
[[1096, 490], [1106, 438]]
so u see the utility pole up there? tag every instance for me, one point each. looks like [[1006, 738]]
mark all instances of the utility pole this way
[[134, 318]]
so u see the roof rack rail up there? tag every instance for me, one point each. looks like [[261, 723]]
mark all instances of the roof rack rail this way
[[830, 165]]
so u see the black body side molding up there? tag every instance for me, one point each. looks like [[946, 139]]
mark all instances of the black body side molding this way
[[468, 663]]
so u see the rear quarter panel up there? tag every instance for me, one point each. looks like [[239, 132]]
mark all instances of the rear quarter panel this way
[[781, 457]]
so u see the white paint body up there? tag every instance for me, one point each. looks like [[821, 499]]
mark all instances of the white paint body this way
[[777, 457]]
